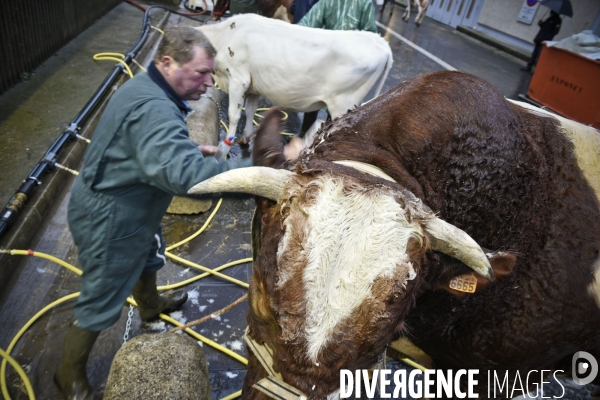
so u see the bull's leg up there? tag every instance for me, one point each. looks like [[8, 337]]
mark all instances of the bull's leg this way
[[236, 102], [251, 106]]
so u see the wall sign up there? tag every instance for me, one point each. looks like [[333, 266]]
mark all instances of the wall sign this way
[[528, 11]]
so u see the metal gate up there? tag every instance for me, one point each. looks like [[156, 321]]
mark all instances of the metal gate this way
[[31, 31], [455, 12]]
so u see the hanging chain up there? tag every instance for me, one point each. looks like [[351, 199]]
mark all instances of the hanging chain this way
[[128, 325], [208, 96]]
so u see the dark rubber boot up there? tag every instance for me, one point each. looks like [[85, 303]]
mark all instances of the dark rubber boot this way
[[150, 303], [70, 376]]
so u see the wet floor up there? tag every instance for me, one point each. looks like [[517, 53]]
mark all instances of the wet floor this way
[[34, 113]]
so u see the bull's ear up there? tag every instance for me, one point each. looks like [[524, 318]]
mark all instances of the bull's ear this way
[[502, 264], [268, 143]]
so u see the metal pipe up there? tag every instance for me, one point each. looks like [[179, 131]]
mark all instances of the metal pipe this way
[[11, 210], [16, 203]]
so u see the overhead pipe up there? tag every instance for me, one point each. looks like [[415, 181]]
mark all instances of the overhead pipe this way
[[48, 161]]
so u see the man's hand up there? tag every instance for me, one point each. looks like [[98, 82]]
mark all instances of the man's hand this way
[[208, 150]]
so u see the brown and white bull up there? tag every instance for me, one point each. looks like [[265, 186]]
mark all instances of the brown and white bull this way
[[349, 255], [295, 67]]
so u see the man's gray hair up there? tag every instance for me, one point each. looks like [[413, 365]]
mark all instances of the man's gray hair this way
[[179, 42]]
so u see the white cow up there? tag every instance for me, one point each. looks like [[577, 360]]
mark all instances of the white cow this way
[[301, 69], [421, 8]]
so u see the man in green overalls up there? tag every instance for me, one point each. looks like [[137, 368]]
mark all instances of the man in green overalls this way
[[139, 158]]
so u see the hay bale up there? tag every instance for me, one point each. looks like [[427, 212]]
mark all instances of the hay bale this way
[[159, 366], [186, 205]]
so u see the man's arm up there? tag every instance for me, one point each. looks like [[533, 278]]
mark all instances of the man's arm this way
[[166, 157]]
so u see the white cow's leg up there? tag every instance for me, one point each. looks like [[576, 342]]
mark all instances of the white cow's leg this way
[[422, 9], [406, 15], [251, 106], [418, 18], [309, 136], [236, 102]]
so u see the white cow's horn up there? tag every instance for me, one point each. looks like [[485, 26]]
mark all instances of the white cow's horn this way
[[260, 181], [450, 240]]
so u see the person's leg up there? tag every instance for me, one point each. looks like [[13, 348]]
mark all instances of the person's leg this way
[[145, 293], [110, 269], [534, 56], [70, 376]]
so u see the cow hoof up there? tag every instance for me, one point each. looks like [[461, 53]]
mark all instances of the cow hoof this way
[[244, 140]]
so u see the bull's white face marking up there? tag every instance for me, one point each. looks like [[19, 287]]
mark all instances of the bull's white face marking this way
[[353, 237]]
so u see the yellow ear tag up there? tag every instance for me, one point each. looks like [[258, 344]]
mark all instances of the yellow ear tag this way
[[464, 283]]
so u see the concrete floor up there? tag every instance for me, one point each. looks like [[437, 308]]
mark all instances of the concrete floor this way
[[34, 113]]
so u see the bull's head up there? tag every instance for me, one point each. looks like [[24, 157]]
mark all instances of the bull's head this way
[[337, 260]]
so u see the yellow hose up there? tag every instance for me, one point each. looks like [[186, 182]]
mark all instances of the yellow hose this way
[[131, 301], [224, 126], [233, 395], [285, 116], [208, 270], [413, 364], [21, 373], [210, 217], [21, 332], [42, 255], [204, 275], [114, 57], [206, 340]]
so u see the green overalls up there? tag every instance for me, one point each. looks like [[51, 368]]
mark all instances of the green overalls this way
[[140, 156]]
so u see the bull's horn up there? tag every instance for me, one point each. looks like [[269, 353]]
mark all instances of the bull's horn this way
[[450, 240], [260, 181]]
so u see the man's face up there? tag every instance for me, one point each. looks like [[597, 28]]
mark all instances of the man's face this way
[[192, 79]]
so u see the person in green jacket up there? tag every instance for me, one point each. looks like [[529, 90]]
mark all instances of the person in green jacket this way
[[344, 15], [341, 15], [140, 157]]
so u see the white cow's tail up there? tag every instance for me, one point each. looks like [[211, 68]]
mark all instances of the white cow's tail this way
[[388, 66]]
